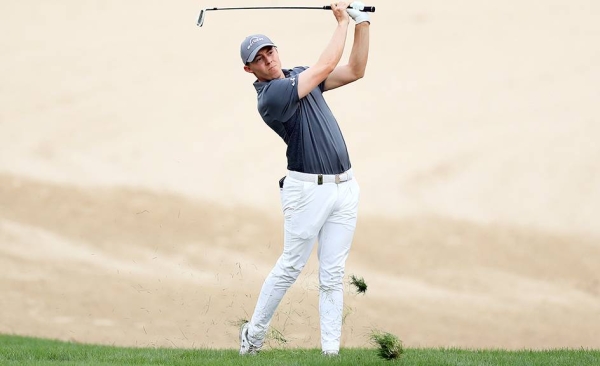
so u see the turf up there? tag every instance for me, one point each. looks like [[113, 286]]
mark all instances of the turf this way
[[16, 350]]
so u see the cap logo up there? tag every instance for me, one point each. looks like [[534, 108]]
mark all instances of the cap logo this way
[[253, 40]]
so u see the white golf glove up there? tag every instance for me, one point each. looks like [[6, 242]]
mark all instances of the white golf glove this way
[[354, 10]]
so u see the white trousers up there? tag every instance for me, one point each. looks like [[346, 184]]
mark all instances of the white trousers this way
[[327, 212]]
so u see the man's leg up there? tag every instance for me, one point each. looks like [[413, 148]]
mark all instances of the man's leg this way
[[335, 240], [306, 208], [279, 280]]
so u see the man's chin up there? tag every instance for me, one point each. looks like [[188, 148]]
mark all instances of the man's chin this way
[[276, 74]]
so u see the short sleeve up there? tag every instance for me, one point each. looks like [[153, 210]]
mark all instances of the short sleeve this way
[[279, 100], [299, 69]]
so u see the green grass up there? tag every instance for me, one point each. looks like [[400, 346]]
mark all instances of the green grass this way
[[389, 346], [359, 283], [15, 350]]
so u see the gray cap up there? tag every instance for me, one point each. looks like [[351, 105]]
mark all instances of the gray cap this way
[[251, 45]]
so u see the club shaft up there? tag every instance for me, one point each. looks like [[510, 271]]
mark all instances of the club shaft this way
[[265, 7], [370, 9]]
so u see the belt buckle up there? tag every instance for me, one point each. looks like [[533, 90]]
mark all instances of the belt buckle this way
[[320, 179], [337, 179]]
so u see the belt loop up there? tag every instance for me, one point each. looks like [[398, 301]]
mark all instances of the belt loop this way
[[320, 179]]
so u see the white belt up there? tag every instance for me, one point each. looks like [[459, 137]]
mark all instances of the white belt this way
[[322, 178]]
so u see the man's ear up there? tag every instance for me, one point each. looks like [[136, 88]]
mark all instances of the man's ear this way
[[248, 69]]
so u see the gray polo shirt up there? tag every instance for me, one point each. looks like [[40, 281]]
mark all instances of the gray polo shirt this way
[[314, 140]]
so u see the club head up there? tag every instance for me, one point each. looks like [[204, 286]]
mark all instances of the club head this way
[[201, 17]]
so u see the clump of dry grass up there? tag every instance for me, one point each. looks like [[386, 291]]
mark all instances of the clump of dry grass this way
[[390, 346], [359, 283], [276, 336], [272, 335], [239, 322]]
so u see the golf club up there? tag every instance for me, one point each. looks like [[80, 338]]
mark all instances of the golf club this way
[[370, 9]]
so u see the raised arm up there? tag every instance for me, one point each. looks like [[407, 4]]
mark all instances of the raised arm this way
[[316, 74], [357, 63]]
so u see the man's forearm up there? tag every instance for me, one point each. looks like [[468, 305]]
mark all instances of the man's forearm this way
[[360, 49], [333, 52]]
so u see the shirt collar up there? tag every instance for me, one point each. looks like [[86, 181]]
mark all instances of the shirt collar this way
[[259, 85]]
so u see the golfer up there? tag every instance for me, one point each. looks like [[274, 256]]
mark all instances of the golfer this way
[[319, 193]]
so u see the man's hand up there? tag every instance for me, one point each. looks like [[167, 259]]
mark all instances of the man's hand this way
[[340, 13], [354, 10]]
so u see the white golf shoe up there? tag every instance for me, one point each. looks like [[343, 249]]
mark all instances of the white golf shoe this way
[[247, 348]]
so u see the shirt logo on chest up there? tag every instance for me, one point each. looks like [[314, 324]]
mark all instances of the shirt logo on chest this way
[[293, 80]]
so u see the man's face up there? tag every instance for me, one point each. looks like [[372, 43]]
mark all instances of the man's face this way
[[266, 65]]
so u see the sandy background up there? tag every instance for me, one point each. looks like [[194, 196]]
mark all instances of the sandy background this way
[[138, 185]]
